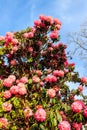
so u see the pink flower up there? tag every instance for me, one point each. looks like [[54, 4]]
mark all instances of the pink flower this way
[[3, 122], [14, 48], [54, 35], [28, 112], [57, 21], [24, 80], [85, 112], [58, 26], [35, 79], [58, 73], [84, 79], [37, 22], [51, 93], [30, 49], [7, 82], [13, 62], [9, 34], [7, 106], [80, 88], [25, 35], [77, 106], [49, 19], [43, 17], [30, 35], [14, 41], [41, 83], [38, 72], [14, 90], [77, 126], [39, 43], [12, 78], [22, 89], [40, 115], [64, 125], [51, 78], [7, 94]]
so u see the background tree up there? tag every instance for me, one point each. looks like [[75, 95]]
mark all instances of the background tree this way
[[34, 72], [78, 40]]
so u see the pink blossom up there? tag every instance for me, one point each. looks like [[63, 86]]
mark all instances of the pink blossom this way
[[12, 78], [22, 89], [3, 122], [58, 26], [8, 39], [51, 78], [50, 49], [9, 34], [7, 106], [80, 88], [25, 35], [43, 17], [7, 94], [38, 72], [85, 112], [84, 79], [54, 35], [37, 22], [57, 21], [14, 90], [77, 106], [51, 93], [7, 82], [30, 35], [49, 19], [24, 80], [28, 112], [39, 43], [14, 41], [40, 115], [64, 125], [14, 48], [13, 62], [58, 73], [77, 126], [35, 79], [41, 83], [30, 49]]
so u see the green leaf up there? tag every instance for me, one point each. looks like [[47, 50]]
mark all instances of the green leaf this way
[[30, 60], [34, 127], [41, 127], [58, 116]]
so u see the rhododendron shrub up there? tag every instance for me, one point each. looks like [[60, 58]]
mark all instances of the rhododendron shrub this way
[[34, 71]]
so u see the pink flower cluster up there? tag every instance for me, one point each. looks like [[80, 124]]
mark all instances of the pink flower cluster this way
[[51, 78], [15, 89], [28, 112], [28, 35], [59, 73], [3, 122], [40, 115], [85, 112], [7, 106], [77, 126], [9, 81], [77, 106], [64, 125], [51, 93], [84, 79]]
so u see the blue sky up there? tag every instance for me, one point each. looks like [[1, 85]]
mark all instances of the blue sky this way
[[18, 14]]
